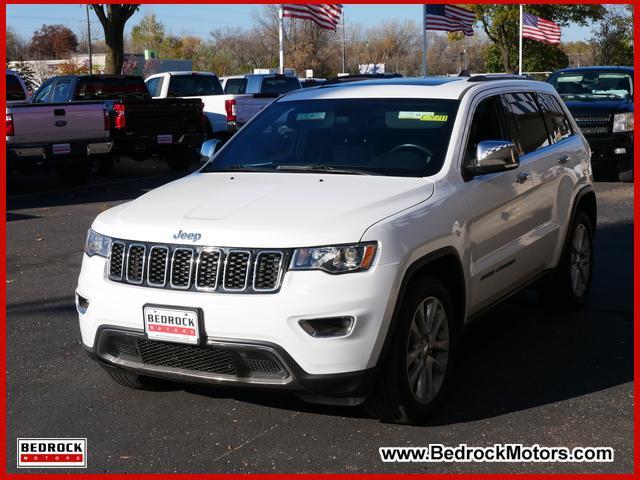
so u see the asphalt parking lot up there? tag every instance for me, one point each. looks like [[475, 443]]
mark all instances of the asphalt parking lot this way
[[526, 375]]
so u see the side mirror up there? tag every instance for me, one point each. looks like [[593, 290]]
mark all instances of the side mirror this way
[[208, 150], [493, 156]]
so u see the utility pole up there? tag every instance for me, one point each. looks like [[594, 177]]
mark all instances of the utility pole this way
[[424, 40], [89, 42], [281, 38]]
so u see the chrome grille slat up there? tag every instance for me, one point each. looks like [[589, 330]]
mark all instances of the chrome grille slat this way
[[216, 270], [236, 270], [136, 254], [116, 261], [181, 268], [208, 269], [158, 266], [267, 270]]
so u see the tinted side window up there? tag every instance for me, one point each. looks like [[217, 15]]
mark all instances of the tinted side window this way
[[60, 92], [487, 124], [279, 85], [235, 86], [155, 86], [557, 122], [43, 93], [529, 124], [14, 89]]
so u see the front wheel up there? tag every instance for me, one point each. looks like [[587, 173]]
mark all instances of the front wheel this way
[[415, 377]]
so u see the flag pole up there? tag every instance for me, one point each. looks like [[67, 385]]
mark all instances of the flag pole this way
[[520, 47], [344, 47], [281, 38], [424, 40]]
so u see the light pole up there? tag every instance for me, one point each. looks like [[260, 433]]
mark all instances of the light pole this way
[[89, 41]]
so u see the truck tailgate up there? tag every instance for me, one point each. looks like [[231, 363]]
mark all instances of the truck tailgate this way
[[51, 122], [162, 116], [248, 106]]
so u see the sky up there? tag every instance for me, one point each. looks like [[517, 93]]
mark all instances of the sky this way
[[200, 19]]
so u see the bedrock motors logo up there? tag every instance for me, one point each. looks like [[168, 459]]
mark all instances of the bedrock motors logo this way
[[52, 453]]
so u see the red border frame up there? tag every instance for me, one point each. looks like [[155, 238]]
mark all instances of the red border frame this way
[[636, 290]]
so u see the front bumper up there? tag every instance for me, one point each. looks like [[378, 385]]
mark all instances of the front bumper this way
[[611, 149], [266, 322]]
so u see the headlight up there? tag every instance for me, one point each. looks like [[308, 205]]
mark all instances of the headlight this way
[[623, 122], [97, 244], [336, 259]]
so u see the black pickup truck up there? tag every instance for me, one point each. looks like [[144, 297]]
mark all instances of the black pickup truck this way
[[140, 126], [601, 101]]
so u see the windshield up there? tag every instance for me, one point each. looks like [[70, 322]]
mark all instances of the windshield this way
[[111, 88], [194, 86], [395, 137], [593, 85]]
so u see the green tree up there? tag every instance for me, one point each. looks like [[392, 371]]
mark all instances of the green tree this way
[[148, 34], [113, 18], [537, 57], [501, 25], [613, 37]]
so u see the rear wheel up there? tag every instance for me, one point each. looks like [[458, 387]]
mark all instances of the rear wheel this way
[[415, 377], [568, 287], [180, 159], [75, 173]]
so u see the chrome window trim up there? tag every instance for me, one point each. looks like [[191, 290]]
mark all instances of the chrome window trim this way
[[280, 270], [173, 258], [166, 265], [224, 275], [208, 250], [144, 260]]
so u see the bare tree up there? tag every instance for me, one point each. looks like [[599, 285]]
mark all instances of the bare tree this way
[[113, 18]]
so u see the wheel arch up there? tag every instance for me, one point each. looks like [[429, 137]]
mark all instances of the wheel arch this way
[[444, 264]]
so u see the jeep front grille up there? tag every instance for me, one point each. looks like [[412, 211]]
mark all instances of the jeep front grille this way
[[203, 269]]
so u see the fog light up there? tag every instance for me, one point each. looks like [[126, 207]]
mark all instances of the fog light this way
[[82, 304], [328, 327], [619, 151]]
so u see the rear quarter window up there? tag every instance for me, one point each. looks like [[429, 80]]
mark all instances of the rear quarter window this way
[[235, 86], [555, 118], [279, 85], [14, 89]]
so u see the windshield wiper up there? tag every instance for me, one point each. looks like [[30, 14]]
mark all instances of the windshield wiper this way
[[247, 168], [323, 169]]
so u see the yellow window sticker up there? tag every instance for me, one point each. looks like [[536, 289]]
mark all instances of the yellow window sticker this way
[[423, 116]]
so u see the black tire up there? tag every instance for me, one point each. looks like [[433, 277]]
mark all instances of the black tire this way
[[75, 174], [181, 159], [625, 171], [559, 289], [133, 380], [393, 399], [104, 165]]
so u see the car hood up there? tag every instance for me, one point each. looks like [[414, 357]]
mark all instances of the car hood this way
[[595, 107], [263, 210]]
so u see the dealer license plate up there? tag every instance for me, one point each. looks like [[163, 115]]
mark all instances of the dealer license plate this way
[[171, 324], [61, 148], [165, 138]]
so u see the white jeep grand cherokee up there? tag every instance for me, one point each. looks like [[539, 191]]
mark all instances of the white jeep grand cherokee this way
[[337, 245]]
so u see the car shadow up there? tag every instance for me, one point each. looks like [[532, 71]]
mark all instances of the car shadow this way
[[524, 354]]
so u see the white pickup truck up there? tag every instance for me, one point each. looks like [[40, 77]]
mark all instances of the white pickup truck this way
[[251, 93], [68, 137]]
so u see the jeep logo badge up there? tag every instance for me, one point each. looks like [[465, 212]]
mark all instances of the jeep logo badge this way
[[194, 237]]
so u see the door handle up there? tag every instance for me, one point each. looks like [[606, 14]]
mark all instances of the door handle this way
[[563, 159], [522, 177]]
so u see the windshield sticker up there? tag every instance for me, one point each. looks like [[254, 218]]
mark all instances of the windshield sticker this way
[[423, 116], [311, 116]]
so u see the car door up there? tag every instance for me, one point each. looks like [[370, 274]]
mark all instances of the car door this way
[[500, 206], [543, 134]]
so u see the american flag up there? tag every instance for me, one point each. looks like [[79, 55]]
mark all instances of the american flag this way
[[325, 15], [449, 18], [539, 29]]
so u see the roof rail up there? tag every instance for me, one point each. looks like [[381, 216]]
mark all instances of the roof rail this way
[[498, 76]]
